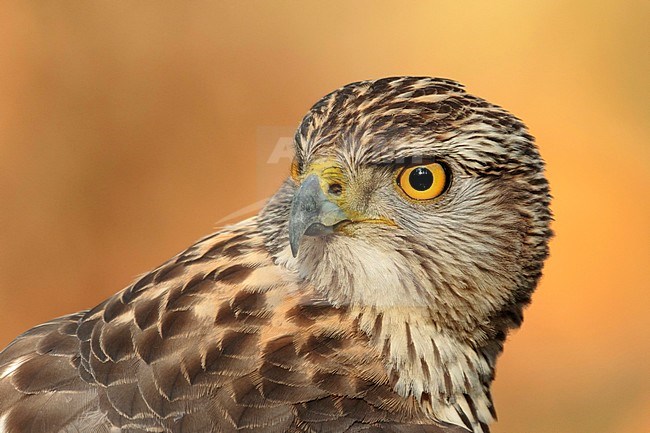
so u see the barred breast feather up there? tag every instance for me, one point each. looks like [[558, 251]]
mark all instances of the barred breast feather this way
[[218, 339]]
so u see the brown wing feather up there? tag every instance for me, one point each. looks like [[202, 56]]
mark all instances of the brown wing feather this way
[[218, 339], [40, 386]]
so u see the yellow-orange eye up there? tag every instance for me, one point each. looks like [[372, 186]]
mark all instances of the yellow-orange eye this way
[[423, 182], [295, 169]]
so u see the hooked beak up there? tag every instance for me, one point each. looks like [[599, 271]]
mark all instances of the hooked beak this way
[[312, 213]]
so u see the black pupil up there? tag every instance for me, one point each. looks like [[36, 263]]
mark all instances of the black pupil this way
[[421, 179]]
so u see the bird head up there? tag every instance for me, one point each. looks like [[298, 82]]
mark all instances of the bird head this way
[[408, 192]]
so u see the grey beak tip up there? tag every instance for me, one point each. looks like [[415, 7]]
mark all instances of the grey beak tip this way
[[294, 250]]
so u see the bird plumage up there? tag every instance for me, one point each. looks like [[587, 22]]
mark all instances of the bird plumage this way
[[389, 322]]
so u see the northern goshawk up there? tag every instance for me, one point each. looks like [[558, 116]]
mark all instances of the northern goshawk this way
[[373, 293]]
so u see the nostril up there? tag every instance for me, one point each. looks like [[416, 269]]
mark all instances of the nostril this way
[[335, 189]]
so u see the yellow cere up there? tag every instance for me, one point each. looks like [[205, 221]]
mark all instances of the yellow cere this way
[[423, 182], [328, 171]]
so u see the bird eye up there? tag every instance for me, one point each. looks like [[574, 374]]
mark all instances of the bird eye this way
[[295, 169], [423, 182]]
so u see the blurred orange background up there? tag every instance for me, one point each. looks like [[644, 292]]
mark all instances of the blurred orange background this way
[[129, 129]]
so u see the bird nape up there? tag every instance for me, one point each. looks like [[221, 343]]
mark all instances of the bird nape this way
[[373, 293]]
